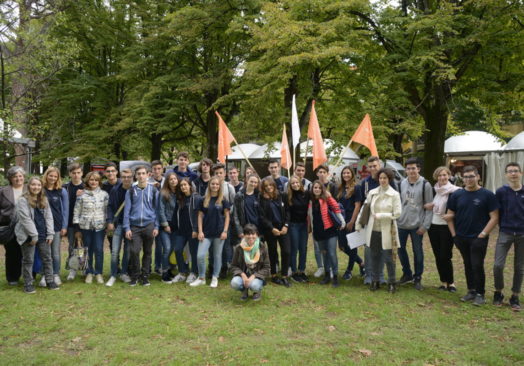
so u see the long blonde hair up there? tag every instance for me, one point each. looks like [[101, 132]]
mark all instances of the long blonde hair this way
[[220, 195], [58, 183], [36, 201]]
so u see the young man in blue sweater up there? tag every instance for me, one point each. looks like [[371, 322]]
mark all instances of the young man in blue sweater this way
[[141, 225], [511, 223]]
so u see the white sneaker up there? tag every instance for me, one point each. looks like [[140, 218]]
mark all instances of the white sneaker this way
[[71, 275], [289, 272], [179, 278], [89, 278], [99, 279], [57, 280], [191, 278], [111, 281], [125, 278], [319, 273], [197, 282], [42, 282], [214, 282]]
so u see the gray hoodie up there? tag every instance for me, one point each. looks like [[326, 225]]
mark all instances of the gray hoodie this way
[[413, 198]]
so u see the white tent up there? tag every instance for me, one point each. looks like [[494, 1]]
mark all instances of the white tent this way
[[349, 155], [266, 151], [248, 149], [516, 143], [472, 143], [496, 161]]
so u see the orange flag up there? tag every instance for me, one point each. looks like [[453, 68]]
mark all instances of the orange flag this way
[[364, 135], [225, 138], [285, 160], [313, 132]]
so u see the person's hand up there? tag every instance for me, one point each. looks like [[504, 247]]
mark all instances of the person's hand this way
[[421, 231], [129, 234], [194, 235], [283, 231], [448, 217], [155, 233], [223, 236], [110, 227], [275, 232], [245, 280], [200, 236], [429, 206], [482, 235], [33, 243], [167, 229], [63, 232], [79, 192], [350, 225], [49, 241]]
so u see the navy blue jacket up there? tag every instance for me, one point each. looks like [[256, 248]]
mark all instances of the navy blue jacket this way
[[511, 208], [117, 196]]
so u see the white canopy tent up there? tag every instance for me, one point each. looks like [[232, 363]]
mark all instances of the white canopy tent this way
[[472, 143], [496, 161]]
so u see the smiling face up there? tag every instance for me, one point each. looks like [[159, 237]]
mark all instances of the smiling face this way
[[93, 182], [52, 178], [300, 172], [110, 174], [383, 180], [17, 180], [233, 175], [252, 183], [250, 238], [185, 188], [413, 172], [317, 190], [269, 188], [347, 175], [158, 171], [182, 163], [35, 186], [443, 178], [373, 168], [173, 181], [294, 183], [214, 186]]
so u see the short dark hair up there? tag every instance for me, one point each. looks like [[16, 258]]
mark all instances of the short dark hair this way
[[300, 164], [512, 164], [73, 166], [322, 166], [217, 166], [206, 161], [182, 154], [412, 161], [273, 161], [250, 229], [140, 167], [110, 165], [373, 158], [156, 162], [233, 168], [388, 172], [470, 168]]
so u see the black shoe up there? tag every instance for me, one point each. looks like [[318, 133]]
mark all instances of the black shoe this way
[[245, 294], [335, 281], [166, 278], [14, 283], [479, 300], [362, 270], [276, 280], [443, 288], [223, 273], [375, 285], [327, 279], [145, 281], [53, 286], [297, 278], [498, 298], [29, 289], [257, 296], [347, 275], [169, 274], [285, 282], [514, 303], [157, 271], [418, 285], [304, 277], [452, 289], [470, 296], [392, 288], [405, 279], [133, 282]]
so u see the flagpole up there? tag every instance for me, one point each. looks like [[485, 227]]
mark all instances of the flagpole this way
[[242, 152], [343, 152]]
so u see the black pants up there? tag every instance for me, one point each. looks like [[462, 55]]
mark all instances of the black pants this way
[[473, 251], [13, 261], [142, 239], [285, 249], [442, 244]]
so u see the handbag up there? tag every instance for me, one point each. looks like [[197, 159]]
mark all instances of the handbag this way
[[7, 232], [78, 261], [334, 217], [365, 212]]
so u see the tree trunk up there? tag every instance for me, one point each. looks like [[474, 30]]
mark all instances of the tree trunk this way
[[436, 122], [156, 146], [211, 150]]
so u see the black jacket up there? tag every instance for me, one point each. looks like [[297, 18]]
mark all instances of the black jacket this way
[[262, 268], [239, 213], [266, 214]]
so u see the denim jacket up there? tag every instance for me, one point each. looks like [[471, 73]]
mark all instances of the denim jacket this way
[[166, 209]]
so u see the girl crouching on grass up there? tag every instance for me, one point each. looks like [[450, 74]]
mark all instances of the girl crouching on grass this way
[[250, 265], [213, 224], [35, 227]]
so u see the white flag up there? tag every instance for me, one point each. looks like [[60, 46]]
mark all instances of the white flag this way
[[295, 129]]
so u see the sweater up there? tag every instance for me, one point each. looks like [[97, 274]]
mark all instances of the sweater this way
[[511, 208], [141, 207], [25, 227], [91, 210]]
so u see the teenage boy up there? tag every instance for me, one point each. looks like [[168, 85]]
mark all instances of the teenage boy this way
[[511, 205], [111, 175], [475, 213], [300, 172], [115, 221], [182, 169], [274, 171], [233, 179], [204, 168], [157, 180], [414, 221], [141, 225], [74, 188]]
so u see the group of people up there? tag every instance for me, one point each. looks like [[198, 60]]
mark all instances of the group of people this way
[[258, 229]]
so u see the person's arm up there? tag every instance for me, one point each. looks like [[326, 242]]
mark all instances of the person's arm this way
[[223, 236], [493, 220], [161, 213], [156, 199], [236, 262], [24, 219], [127, 212], [451, 222], [286, 217], [265, 222], [265, 271], [200, 225], [49, 224], [65, 212], [77, 211], [427, 214], [236, 219]]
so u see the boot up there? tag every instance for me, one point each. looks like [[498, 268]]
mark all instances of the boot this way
[[335, 281], [392, 288], [375, 285], [327, 278]]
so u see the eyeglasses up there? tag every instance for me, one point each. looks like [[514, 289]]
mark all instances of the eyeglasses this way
[[513, 171], [469, 176]]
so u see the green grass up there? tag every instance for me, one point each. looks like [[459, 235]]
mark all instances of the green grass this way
[[304, 325]]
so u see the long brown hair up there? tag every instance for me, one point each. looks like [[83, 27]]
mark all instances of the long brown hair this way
[[180, 196], [324, 194], [220, 195], [269, 182], [166, 191], [346, 187], [290, 191], [39, 200]]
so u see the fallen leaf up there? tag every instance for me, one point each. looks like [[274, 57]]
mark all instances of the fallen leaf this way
[[331, 328], [221, 339], [365, 352]]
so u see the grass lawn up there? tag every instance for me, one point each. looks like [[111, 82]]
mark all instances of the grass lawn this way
[[307, 324]]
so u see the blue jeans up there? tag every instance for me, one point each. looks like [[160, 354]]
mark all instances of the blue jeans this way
[[167, 241], [318, 254], [418, 253], [55, 252], [328, 248], [94, 242], [255, 285], [118, 235], [298, 240], [203, 249], [71, 242], [352, 253], [159, 249], [180, 242], [369, 268]]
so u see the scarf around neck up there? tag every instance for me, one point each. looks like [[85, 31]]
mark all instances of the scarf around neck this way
[[441, 198], [251, 253]]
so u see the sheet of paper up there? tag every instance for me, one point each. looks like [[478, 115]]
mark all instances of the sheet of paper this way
[[356, 239]]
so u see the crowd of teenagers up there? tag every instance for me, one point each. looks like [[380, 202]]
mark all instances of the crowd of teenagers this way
[[257, 230]]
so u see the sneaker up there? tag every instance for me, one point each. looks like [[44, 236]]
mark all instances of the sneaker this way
[[125, 278], [362, 270], [319, 273], [514, 303], [166, 278], [111, 281], [133, 283], [276, 280], [53, 286], [326, 280], [470, 296], [297, 278], [285, 282], [304, 277], [418, 285], [191, 278], [145, 281], [198, 282], [157, 271], [214, 282], [289, 272], [375, 285], [245, 294], [99, 279], [179, 278], [42, 282], [405, 279], [257, 296], [498, 298], [443, 288], [89, 278], [347, 276], [367, 280], [479, 300], [13, 283], [392, 288], [29, 289], [71, 276], [57, 279], [452, 289], [334, 283]]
